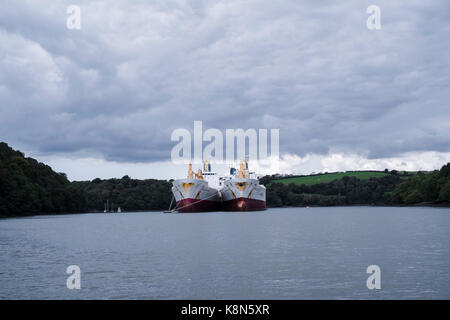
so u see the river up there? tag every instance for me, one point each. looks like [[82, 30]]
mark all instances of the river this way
[[286, 253]]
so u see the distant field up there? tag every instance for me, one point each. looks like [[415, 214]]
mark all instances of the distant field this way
[[327, 177]]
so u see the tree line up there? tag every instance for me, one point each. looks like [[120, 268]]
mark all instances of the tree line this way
[[28, 187], [126, 193], [409, 189]]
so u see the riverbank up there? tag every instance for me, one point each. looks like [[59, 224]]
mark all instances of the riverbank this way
[[425, 205], [393, 188]]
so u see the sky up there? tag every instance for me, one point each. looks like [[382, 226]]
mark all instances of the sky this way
[[103, 100]]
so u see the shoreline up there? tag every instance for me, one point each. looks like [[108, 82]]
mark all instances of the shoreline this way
[[424, 204]]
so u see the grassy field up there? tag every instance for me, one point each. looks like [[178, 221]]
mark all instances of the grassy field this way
[[327, 177]]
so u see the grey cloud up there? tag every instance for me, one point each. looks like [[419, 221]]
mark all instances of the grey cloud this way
[[137, 70]]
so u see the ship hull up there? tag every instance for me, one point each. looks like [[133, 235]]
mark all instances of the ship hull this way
[[197, 205], [244, 204], [243, 194], [192, 195]]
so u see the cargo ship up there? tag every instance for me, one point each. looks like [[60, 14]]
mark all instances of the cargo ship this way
[[207, 191], [194, 194], [242, 192]]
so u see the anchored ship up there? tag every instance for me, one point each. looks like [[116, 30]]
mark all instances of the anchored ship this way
[[207, 191], [194, 194], [242, 192]]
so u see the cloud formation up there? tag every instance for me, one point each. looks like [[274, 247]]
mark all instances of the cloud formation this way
[[137, 70]]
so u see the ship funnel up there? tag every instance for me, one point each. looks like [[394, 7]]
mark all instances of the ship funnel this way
[[190, 174], [206, 166], [243, 169]]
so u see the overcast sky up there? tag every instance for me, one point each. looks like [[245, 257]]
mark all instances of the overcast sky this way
[[103, 101]]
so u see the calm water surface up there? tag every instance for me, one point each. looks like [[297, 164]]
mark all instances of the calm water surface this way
[[290, 253]]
